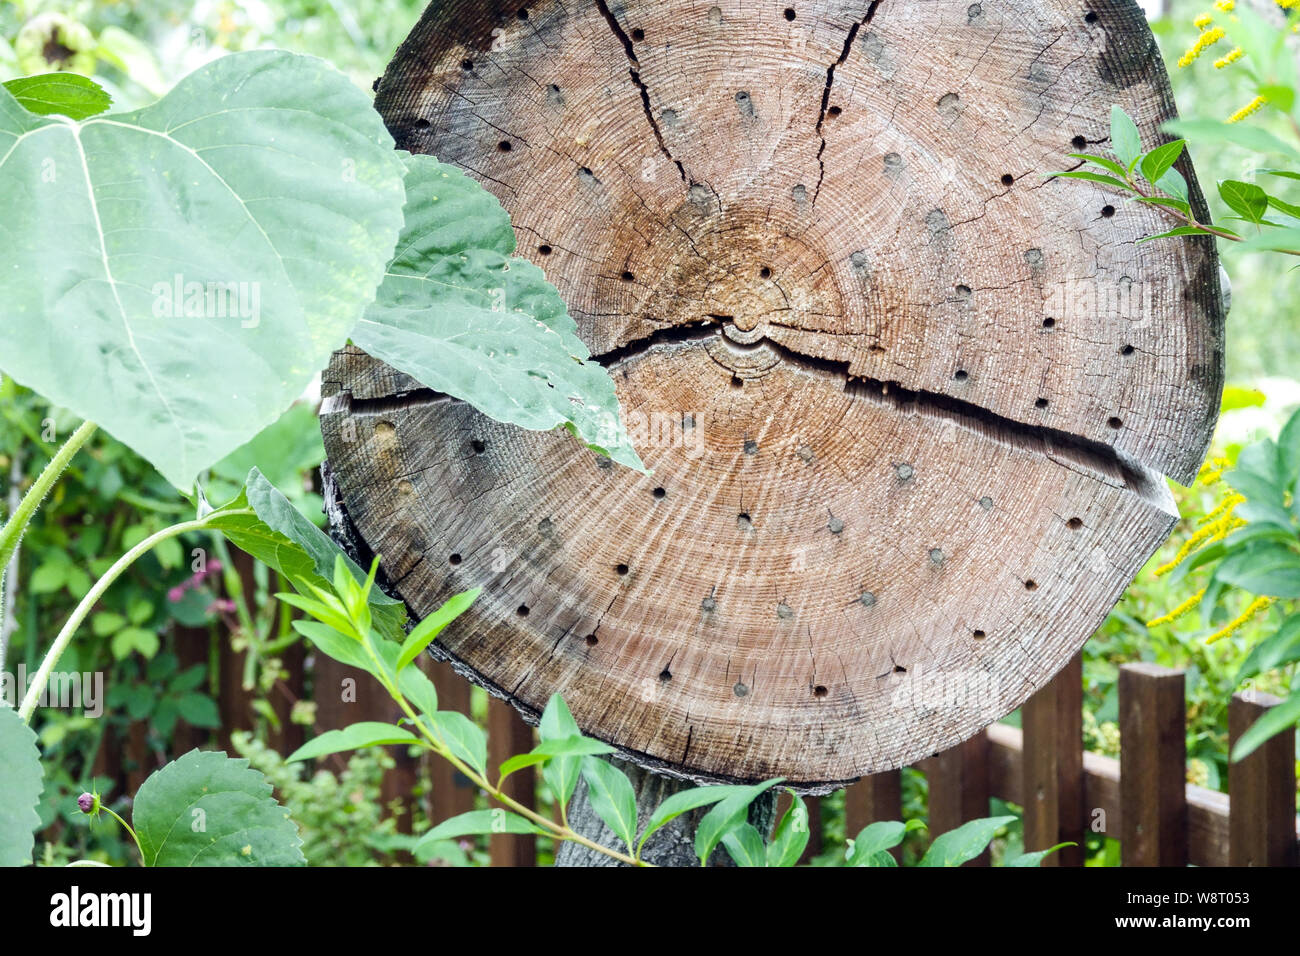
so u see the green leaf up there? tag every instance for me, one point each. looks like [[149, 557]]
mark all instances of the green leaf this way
[[331, 643], [20, 788], [134, 640], [1235, 396], [207, 809], [964, 843], [278, 535], [462, 737], [461, 316], [728, 812], [685, 801], [744, 845], [562, 747], [199, 710], [1036, 857], [424, 633], [1161, 159], [1273, 721], [366, 733], [875, 841], [1245, 199], [560, 774], [66, 94], [1273, 240], [196, 260], [1173, 183], [1102, 162], [477, 822], [1179, 204], [1282, 206], [1124, 138], [1180, 231], [1236, 134], [611, 795], [1095, 178], [1268, 568], [790, 836]]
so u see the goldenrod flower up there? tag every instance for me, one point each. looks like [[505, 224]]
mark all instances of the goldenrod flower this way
[[1215, 530], [1203, 21], [1212, 470], [1203, 42], [1232, 56], [1225, 5], [1251, 107], [1253, 608], [1224, 506], [1179, 611]]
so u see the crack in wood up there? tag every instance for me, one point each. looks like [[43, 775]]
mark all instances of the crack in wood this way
[[634, 70], [826, 92]]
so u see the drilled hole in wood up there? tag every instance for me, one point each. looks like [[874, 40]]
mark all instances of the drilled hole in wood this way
[[820, 691], [1115, 423], [963, 291], [421, 124], [765, 273], [740, 690], [961, 375], [789, 13], [467, 65], [621, 568], [1074, 524], [638, 34], [1031, 585], [751, 447], [1040, 403], [1090, 16], [665, 675], [1078, 142], [978, 635], [1049, 323], [1107, 211], [627, 277], [522, 610], [1008, 179], [544, 250], [455, 558], [737, 382], [592, 640], [504, 146], [1126, 350], [522, 14], [834, 111], [900, 669], [478, 446], [659, 492]]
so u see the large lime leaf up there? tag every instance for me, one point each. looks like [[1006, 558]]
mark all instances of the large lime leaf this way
[[462, 316], [67, 94], [207, 809], [20, 788], [265, 524], [179, 273]]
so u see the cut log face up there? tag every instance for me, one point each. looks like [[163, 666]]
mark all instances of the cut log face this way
[[908, 403]]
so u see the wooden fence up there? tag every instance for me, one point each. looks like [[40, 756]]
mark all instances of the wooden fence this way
[[1141, 799]]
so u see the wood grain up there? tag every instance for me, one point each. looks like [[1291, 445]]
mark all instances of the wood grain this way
[[907, 402]]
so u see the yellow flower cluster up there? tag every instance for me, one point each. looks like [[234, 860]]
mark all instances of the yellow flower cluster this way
[[1246, 110], [1253, 608], [1203, 42], [1215, 526]]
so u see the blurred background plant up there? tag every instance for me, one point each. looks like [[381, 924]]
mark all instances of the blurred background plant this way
[[160, 634]]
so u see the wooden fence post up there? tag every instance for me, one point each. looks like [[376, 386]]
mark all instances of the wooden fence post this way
[[1052, 721], [878, 796], [1261, 808], [509, 735], [1153, 758], [959, 787]]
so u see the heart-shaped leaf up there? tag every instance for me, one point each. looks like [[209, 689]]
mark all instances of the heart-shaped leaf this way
[[20, 788], [179, 273], [207, 809], [457, 313]]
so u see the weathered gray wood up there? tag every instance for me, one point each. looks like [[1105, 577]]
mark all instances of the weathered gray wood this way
[[908, 404]]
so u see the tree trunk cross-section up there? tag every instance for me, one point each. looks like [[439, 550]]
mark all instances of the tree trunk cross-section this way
[[908, 403]]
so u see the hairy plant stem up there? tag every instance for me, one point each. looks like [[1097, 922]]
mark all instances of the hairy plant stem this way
[[80, 612], [13, 529], [435, 743]]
